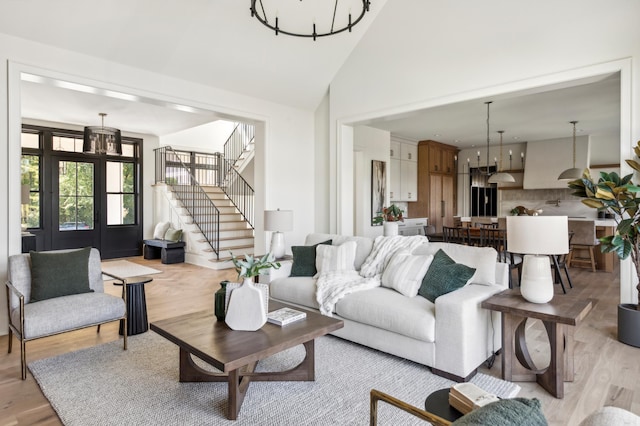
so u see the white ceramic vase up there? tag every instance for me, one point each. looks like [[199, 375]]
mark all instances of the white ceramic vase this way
[[389, 229], [246, 310]]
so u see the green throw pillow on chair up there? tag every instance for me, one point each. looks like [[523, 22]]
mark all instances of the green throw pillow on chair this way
[[304, 260], [59, 274], [506, 412], [444, 276]]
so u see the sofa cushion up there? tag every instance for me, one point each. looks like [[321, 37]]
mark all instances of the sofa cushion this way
[[56, 274], [296, 290], [483, 259], [336, 258], [405, 271], [364, 244], [389, 310], [506, 412], [304, 260], [444, 276]]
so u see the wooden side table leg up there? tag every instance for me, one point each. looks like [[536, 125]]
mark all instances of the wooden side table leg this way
[[509, 325], [568, 352], [553, 378]]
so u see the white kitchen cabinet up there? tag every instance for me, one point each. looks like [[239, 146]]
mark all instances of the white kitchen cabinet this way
[[395, 150], [403, 172], [413, 226]]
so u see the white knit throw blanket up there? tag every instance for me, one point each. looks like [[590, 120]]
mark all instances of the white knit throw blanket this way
[[333, 286]]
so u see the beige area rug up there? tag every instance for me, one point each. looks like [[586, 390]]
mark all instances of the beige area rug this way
[[126, 269], [105, 385]]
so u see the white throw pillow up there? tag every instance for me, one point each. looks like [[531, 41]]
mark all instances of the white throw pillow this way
[[336, 258], [405, 272], [161, 229]]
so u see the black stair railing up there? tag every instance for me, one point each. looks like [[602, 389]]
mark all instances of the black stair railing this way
[[237, 190], [172, 169], [238, 142]]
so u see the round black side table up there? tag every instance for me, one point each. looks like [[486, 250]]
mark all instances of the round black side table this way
[[438, 403], [136, 306]]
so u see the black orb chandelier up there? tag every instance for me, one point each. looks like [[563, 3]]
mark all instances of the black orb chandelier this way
[[323, 20]]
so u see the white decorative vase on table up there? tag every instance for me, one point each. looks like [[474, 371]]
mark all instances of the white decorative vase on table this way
[[389, 229], [247, 307]]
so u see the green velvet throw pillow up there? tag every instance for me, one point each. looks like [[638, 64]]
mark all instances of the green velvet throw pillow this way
[[506, 412], [173, 235], [304, 260], [444, 276], [59, 274]]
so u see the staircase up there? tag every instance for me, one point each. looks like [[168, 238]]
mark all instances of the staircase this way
[[215, 210]]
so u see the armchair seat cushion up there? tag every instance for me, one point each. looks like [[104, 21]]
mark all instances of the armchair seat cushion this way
[[65, 313]]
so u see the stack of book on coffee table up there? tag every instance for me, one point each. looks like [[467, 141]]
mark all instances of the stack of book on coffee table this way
[[466, 397]]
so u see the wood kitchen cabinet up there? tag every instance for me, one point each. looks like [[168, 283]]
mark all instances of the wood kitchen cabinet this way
[[436, 170], [403, 171]]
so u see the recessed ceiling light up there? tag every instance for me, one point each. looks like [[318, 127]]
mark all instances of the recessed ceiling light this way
[[516, 138], [437, 135]]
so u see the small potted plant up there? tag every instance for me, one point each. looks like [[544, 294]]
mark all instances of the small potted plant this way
[[618, 196], [389, 217], [247, 305]]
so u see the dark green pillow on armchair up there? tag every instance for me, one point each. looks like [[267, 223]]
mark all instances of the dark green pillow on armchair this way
[[55, 274], [304, 260]]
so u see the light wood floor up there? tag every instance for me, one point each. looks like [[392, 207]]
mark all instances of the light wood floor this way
[[607, 372]]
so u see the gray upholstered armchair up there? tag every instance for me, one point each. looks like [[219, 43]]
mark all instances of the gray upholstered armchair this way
[[49, 294]]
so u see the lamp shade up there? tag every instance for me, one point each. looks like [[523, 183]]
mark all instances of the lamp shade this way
[[278, 220], [571, 174], [538, 234], [501, 177]]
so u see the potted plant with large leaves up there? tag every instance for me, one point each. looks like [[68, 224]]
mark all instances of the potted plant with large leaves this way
[[389, 217], [620, 196]]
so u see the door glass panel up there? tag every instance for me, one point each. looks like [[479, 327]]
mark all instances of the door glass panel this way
[[75, 186], [121, 207]]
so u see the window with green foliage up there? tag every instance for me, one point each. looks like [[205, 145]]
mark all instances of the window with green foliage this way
[[76, 207], [30, 181], [121, 196]]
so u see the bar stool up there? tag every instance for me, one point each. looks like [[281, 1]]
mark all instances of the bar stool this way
[[584, 240]]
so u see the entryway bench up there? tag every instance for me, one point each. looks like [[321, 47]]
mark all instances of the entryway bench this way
[[168, 251]]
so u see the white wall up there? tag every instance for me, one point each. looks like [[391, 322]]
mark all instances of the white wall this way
[[368, 144], [209, 137], [284, 135], [442, 54], [322, 165]]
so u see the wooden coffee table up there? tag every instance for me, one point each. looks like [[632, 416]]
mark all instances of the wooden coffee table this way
[[236, 353], [559, 316]]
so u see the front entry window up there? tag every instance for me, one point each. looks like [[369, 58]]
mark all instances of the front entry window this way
[[76, 206], [121, 197]]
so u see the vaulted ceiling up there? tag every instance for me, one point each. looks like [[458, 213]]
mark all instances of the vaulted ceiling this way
[[218, 43]]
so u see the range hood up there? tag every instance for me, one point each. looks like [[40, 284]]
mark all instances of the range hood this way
[[545, 160]]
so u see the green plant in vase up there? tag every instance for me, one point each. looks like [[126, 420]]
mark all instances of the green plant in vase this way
[[392, 213], [250, 266], [248, 303]]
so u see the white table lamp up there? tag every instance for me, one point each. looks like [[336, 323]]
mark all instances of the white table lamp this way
[[537, 237], [278, 221]]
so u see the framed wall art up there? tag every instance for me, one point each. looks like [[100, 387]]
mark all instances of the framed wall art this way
[[378, 188]]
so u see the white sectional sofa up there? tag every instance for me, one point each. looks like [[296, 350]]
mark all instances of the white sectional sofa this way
[[453, 336]]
